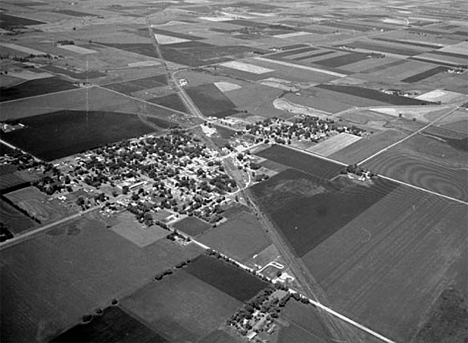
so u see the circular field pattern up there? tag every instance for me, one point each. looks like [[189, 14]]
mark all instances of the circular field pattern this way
[[430, 176]]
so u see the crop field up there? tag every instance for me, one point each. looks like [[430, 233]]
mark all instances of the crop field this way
[[181, 307], [9, 21], [240, 237], [211, 101], [9, 180], [225, 277], [308, 210], [38, 205], [63, 133], [192, 226], [383, 48], [305, 162], [364, 148], [397, 163], [334, 144], [16, 221], [372, 95], [426, 74], [170, 101], [128, 87], [35, 87], [364, 269], [114, 325], [90, 265], [339, 61]]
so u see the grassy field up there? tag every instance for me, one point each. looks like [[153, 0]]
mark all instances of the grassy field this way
[[192, 226], [38, 205], [89, 265], [304, 162], [240, 237], [63, 133], [181, 307], [227, 278], [308, 210], [114, 325], [387, 266]]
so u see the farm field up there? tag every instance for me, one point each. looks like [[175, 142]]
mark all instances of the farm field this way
[[192, 226], [113, 325], [181, 307], [301, 161], [211, 101], [90, 265], [240, 237], [225, 277], [16, 221], [38, 206], [390, 295], [334, 144], [63, 133], [307, 210], [35, 87]]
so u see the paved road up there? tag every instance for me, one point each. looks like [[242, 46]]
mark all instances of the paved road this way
[[29, 234]]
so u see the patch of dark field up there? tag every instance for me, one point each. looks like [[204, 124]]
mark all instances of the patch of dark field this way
[[422, 45], [145, 49], [89, 264], [293, 52], [425, 75], [6, 169], [219, 336], [304, 162], [382, 48], [173, 101], [449, 54], [343, 60], [16, 221], [308, 210], [347, 26], [401, 166], [113, 325], [428, 60], [8, 22], [192, 226], [93, 74], [76, 13], [6, 150], [180, 307], [374, 95], [9, 180], [323, 53], [383, 67], [447, 321], [211, 101], [128, 87], [293, 46], [63, 133], [227, 278], [35, 87]]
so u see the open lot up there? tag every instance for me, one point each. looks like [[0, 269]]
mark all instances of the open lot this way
[[89, 265], [307, 210], [240, 237], [364, 266], [63, 133], [181, 307], [307, 163]]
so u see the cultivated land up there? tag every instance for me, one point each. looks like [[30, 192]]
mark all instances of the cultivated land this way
[[264, 125]]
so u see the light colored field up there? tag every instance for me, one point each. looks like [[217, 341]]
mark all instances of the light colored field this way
[[163, 39], [78, 49], [22, 49], [293, 34], [226, 86], [27, 75], [334, 144], [286, 105], [144, 64], [442, 96], [250, 68], [460, 48], [216, 18], [278, 83], [129, 228], [288, 64], [425, 114]]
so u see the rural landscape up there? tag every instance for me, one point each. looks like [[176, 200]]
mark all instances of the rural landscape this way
[[201, 171]]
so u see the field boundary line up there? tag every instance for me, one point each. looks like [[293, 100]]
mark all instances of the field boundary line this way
[[409, 136]]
